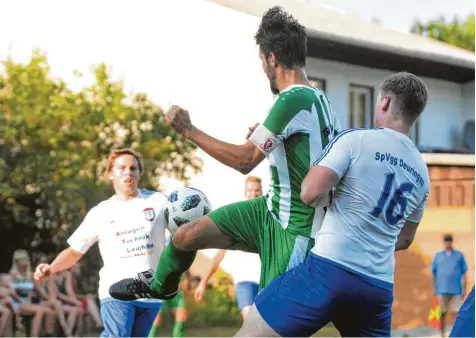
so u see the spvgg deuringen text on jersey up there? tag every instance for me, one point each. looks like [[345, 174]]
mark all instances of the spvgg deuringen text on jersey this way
[[399, 162]]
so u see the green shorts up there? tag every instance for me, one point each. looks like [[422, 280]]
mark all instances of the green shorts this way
[[255, 229]]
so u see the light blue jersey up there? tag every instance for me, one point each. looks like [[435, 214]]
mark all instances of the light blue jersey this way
[[383, 182]]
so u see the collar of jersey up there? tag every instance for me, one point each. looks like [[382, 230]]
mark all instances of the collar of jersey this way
[[139, 195], [288, 88], [397, 132]]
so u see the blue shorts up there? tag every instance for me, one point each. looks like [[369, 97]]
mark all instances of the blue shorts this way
[[16, 305], [306, 298], [245, 294], [464, 323], [126, 319]]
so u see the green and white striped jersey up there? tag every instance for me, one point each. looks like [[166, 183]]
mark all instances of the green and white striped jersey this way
[[299, 126]]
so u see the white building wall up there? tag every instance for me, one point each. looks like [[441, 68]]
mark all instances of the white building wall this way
[[449, 106]]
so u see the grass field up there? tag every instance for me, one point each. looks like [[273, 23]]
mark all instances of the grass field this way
[[328, 331]]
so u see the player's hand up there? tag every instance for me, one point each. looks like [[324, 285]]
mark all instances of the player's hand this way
[[179, 119], [200, 292], [42, 271], [251, 130]]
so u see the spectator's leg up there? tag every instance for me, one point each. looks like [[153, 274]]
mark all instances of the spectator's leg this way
[[7, 302], [71, 315], [454, 307], [38, 312], [79, 324], [56, 306], [4, 317], [93, 310], [444, 302], [50, 320]]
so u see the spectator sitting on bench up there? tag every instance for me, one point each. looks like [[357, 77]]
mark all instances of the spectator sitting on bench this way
[[88, 302], [45, 294], [22, 306]]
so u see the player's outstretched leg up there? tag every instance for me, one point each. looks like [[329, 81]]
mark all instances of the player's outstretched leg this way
[[176, 258]]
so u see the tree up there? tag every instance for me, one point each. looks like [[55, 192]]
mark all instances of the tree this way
[[54, 144], [458, 32]]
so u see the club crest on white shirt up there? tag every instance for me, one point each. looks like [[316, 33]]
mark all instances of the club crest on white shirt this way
[[149, 214]]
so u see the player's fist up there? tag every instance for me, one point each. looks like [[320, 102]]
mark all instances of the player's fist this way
[[42, 271], [179, 119], [251, 130], [200, 292]]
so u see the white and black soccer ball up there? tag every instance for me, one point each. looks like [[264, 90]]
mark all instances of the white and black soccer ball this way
[[185, 205]]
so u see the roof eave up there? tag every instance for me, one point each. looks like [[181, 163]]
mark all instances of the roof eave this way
[[445, 59]]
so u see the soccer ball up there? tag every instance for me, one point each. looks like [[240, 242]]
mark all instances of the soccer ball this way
[[185, 205]]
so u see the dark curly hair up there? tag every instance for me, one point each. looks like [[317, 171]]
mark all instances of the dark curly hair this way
[[279, 33]]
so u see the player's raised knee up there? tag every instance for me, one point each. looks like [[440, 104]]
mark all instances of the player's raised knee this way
[[187, 235]]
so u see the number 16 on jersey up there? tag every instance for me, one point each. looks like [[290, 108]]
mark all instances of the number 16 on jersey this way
[[396, 198]]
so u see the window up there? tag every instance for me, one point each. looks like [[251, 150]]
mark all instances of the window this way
[[318, 83], [360, 106]]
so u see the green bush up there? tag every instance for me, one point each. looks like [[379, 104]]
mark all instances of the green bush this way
[[217, 307]]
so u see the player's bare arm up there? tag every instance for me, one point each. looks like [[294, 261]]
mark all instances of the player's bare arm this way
[[65, 260], [406, 236], [317, 185], [243, 158]]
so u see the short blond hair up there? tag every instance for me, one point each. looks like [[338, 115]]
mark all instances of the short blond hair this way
[[253, 179], [115, 153]]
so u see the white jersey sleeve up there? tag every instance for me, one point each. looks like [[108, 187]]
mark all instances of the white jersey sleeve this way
[[86, 234], [338, 154], [417, 214]]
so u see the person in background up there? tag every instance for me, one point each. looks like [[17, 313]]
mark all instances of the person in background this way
[[244, 267], [449, 276], [88, 302], [6, 304], [21, 288], [64, 290], [44, 294]]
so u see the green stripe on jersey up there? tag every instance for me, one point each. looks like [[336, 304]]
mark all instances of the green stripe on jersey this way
[[302, 118], [298, 151]]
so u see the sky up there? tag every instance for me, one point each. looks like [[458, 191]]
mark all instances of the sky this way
[[396, 14]]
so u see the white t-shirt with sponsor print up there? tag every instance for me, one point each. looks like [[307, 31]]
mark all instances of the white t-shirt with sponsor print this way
[[130, 234]]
